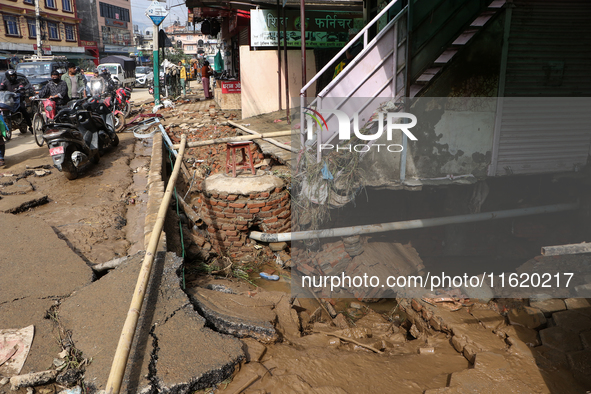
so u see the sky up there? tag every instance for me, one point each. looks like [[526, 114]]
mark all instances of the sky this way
[[178, 11]]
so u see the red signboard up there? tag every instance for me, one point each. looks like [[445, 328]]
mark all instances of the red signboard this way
[[230, 86]]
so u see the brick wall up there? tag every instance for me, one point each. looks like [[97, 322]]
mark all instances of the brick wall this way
[[230, 217]]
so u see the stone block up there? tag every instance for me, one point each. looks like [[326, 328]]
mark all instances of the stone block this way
[[527, 317], [580, 364], [586, 339], [577, 303], [524, 334], [558, 338], [489, 360], [548, 306], [572, 321]]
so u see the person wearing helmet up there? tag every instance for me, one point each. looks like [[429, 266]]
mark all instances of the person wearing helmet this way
[[18, 84], [56, 89]]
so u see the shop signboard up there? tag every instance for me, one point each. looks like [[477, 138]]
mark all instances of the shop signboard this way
[[230, 87], [324, 29]]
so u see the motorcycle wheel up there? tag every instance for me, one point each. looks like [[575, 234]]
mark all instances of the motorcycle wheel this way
[[23, 128], [8, 134], [127, 110], [38, 124], [115, 140], [68, 168], [119, 122]]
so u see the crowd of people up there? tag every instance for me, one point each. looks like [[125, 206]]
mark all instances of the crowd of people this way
[[62, 87]]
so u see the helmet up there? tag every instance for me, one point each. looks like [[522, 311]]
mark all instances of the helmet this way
[[105, 70], [11, 75]]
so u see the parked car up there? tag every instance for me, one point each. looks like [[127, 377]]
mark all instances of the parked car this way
[[144, 76], [38, 69]]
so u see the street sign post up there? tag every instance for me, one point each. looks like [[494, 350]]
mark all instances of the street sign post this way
[[157, 13]]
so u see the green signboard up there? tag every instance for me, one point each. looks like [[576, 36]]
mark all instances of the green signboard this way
[[324, 29]]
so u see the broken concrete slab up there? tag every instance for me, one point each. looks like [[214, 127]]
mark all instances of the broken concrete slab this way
[[48, 268], [572, 320], [21, 202], [237, 315], [488, 318], [96, 324], [524, 334], [527, 317], [19, 186], [490, 360], [253, 349], [242, 184], [549, 305], [558, 338]]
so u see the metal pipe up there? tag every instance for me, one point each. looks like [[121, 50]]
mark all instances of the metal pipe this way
[[287, 98], [128, 332], [410, 224], [303, 41]]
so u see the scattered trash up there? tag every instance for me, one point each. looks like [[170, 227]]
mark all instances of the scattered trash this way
[[426, 350], [14, 349], [277, 121], [156, 108], [265, 275], [73, 390]]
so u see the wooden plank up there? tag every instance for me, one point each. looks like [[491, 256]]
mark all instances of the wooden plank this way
[[584, 247]]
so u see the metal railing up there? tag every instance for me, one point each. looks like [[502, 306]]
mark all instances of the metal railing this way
[[366, 45]]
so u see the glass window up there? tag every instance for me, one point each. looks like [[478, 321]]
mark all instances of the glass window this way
[[11, 25], [70, 32], [53, 30], [50, 4], [28, 2], [66, 6], [32, 28]]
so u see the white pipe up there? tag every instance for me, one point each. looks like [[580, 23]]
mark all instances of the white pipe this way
[[410, 224]]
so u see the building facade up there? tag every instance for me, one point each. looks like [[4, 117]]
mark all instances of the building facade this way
[[59, 27], [107, 24]]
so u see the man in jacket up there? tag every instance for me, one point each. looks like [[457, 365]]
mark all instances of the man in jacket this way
[[13, 83], [55, 89], [76, 83]]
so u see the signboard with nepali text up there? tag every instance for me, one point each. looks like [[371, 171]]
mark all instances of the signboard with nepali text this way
[[230, 86], [324, 29]]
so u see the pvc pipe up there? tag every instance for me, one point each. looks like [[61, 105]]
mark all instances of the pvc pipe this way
[[410, 224], [128, 332]]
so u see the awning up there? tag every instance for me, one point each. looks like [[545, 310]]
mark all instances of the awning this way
[[75, 56]]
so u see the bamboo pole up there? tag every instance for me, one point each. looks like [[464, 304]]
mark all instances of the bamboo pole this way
[[126, 338], [264, 137], [233, 139]]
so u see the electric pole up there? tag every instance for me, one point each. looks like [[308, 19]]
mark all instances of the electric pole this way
[[38, 27]]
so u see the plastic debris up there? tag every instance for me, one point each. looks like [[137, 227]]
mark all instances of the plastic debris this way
[[265, 275]]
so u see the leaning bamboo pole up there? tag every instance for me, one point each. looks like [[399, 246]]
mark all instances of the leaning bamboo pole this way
[[234, 139], [269, 140], [126, 338]]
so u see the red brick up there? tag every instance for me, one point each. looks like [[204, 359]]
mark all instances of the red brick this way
[[284, 203], [230, 215], [237, 205], [271, 220], [229, 210], [234, 239], [228, 226], [241, 228], [284, 215], [239, 210], [278, 189], [278, 211], [254, 210], [212, 202], [241, 222], [217, 209], [252, 196], [211, 230], [214, 195], [256, 205], [231, 232], [284, 197], [273, 205], [266, 209], [264, 195], [232, 197], [266, 215], [246, 249], [239, 244], [222, 203]]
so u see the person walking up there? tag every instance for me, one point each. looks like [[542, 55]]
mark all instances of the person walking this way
[[183, 78], [76, 82], [205, 74]]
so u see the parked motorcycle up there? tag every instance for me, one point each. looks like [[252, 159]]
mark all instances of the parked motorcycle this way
[[77, 136], [9, 108], [122, 99], [45, 111], [99, 96]]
